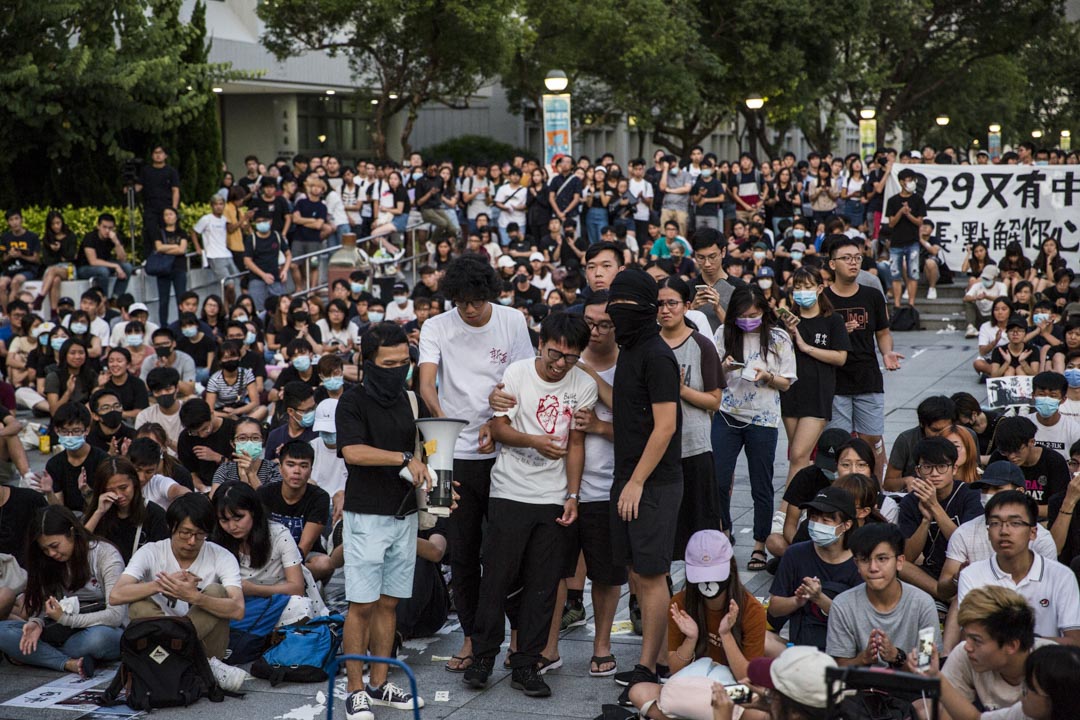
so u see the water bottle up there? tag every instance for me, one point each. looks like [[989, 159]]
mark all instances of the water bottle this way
[[44, 444]]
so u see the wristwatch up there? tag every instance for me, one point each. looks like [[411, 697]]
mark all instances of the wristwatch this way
[[573, 496], [406, 458], [901, 658]]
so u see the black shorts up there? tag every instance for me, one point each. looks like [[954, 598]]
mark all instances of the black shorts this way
[[591, 534], [29, 273], [645, 544]]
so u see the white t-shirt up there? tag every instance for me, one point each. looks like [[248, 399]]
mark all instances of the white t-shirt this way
[[643, 188], [985, 296], [480, 203], [599, 454], [989, 687], [971, 542], [987, 333], [1050, 589], [156, 490], [283, 554], [328, 470], [1058, 437], [171, 423], [335, 209], [754, 402], [119, 331], [471, 361], [890, 509], [351, 333], [543, 408], [398, 314], [545, 284], [212, 230], [1071, 408], [214, 564], [514, 197]]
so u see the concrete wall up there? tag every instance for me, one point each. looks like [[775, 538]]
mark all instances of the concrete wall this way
[[262, 125]]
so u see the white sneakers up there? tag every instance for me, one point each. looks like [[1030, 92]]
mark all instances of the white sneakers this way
[[931, 294], [229, 677], [971, 332]]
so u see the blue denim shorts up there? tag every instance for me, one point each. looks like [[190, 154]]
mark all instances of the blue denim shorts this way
[[900, 256]]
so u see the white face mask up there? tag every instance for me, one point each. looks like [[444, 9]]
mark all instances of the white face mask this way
[[910, 186], [764, 284]]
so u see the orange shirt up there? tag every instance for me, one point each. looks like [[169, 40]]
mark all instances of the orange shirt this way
[[235, 240], [751, 620]]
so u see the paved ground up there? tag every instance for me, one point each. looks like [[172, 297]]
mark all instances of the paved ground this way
[[937, 363]]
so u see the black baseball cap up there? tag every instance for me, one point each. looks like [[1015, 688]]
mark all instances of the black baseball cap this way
[[65, 301], [833, 499], [999, 473], [828, 448], [1016, 321]]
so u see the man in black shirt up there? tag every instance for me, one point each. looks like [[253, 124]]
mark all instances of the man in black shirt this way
[[300, 506], [648, 483], [564, 190], [20, 256], [275, 206], [160, 188], [523, 287], [377, 437], [429, 190], [69, 474], [905, 213], [109, 433], [102, 254], [261, 250], [206, 441]]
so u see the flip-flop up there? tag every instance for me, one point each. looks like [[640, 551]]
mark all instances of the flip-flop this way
[[598, 661], [86, 667], [758, 561], [461, 667], [544, 665]]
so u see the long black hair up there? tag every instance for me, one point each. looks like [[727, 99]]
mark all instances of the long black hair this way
[[106, 470], [230, 500], [86, 377], [47, 577], [742, 300], [1055, 669], [694, 603]]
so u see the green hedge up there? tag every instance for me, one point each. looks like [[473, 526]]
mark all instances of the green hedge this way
[[82, 220], [471, 148]]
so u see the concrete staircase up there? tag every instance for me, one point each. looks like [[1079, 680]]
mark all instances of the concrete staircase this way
[[944, 312]]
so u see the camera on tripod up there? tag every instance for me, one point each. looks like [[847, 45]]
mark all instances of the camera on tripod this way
[[131, 170]]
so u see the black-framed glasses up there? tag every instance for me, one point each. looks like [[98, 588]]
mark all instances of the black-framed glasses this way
[[555, 356], [670, 304], [933, 468], [1010, 524], [602, 328]]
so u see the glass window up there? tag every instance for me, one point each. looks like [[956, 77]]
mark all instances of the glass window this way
[[333, 123]]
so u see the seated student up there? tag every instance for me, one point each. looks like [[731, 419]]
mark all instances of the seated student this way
[[1017, 357], [108, 431], [1045, 473], [1070, 368], [163, 478], [17, 507], [332, 378], [64, 561], [1053, 430], [117, 511], [232, 391], [135, 312], [72, 379], [872, 623], [328, 469], [188, 302], [716, 626], [299, 327], [1048, 586], [300, 369], [13, 456], [339, 335], [937, 504], [422, 308], [188, 576], [167, 356], [163, 383], [246, 463], [198, 345], [1061, 293], [424, 614], [251, 356], [206, 442], [1060, 517], [67, 474], [300, 506], [298, 403], [936, 414], [812, 573], [984, 422], [270, 563], [128, 388]]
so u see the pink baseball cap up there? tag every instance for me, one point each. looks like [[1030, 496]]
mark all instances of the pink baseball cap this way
[[708, 557]]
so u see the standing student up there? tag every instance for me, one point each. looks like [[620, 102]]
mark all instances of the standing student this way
[[466, 351]]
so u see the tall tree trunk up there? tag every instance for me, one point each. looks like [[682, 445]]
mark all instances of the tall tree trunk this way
[[407, 128], [378, 132]]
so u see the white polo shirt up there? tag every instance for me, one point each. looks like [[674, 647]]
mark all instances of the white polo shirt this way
[[971, 542], [1050, 589]]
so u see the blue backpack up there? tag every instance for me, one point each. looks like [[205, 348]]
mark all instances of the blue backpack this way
[[303, 653]]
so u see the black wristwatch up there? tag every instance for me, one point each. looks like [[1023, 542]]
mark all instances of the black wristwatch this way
[[901, 659], [406, 458]]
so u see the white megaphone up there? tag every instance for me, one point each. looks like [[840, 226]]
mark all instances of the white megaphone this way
[[440, 436]]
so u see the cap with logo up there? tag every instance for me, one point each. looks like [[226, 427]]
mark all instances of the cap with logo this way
[[833, 499], [325, 413], [708, 557], [828, 448]]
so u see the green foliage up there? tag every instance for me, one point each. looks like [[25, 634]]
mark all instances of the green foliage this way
[[472, 148]]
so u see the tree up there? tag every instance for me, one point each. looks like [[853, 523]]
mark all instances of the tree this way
[[84, 84], [409, 52]]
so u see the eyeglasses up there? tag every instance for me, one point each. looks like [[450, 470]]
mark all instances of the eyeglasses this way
[[472, 304], [601, 328], [1074, 464], [1010, 524], [555, 356], [714, 257], [70, 433], [189, 534], [670, 304], [102, 409], [848, 258], [247, 438], [934, 469]]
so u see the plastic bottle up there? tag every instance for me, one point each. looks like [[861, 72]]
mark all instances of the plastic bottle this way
[[44, 444]]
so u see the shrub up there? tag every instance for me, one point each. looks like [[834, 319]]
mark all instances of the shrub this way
[[470, 149]]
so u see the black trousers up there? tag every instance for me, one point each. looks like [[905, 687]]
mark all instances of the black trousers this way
[[466, 534], [523, 543]]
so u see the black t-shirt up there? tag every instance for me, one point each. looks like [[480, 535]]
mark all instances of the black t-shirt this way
[[1061, 299], [278, 209], [362, 421], [15, 518], [963, 505], [1001, 355], [905, 233], [286, 335], [157, 185], [875, 202], [425, 185], [264, 251], [101, 441], [198, 348], [313, 507], [812, 395], [279, 436], [530, 295], [647, 373], [255, 362], [1047, 477], [309, 210], [565, 195], [220, 441], [122, 532], [132, 394], [1071, 548], [28, 243], [174, 237], [65, 476], [180, 474], [713, 189], [809, 624], [861, 374], [103, 248], [805, 486]]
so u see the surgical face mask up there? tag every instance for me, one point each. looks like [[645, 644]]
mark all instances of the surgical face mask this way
[[985, 498], [43, 339], [375, 316], [505, 300], [797, 256], [804, 298], [798, 233], [242, 318], [1040, 318], [764, 283], [356, 288], [748, 324], [707, 173], [57, 343], [249, 339], [759, 255], [408, 375], [251, 448], [1046, 406], [329, 438], [72, 444], [910, 186], [401, 299], [674, 171], [133, 340], [262, 227], [823, 535], [302, 363], [333, 383], [307, 419], [987, 283], [1072, 376], [79, 328], [189, 332], [417, 175]]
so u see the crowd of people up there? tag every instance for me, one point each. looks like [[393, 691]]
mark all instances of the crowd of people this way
[[611, 343]]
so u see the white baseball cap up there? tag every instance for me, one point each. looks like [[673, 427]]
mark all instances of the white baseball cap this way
[[798, 674], [324, 416], [138, 307], [505, 261]]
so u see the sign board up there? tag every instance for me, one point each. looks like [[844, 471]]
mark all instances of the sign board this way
[[556, 126]]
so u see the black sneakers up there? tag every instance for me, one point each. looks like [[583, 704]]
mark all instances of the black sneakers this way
[[529, 681], [639, 674], [477, 675]]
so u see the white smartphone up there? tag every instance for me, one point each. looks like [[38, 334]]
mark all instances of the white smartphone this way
[[925, 647], [748, 374]]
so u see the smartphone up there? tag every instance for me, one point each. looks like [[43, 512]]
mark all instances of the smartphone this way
[[749, 374], [925, 647], [737, 364], [702, 288], [787, 316], [740, 694]]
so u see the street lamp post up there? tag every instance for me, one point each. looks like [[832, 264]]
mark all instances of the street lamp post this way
[[556, 116], [867, 131], [993, 141], [754, 103]]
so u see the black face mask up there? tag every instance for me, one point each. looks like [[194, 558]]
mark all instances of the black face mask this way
[[230, 365], [166, 401], [385, 385], [300, 317], [112, 419], [162, 352], [632, 322]]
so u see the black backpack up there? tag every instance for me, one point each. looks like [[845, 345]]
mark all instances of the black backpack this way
[[904, 319], [162, 664]]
